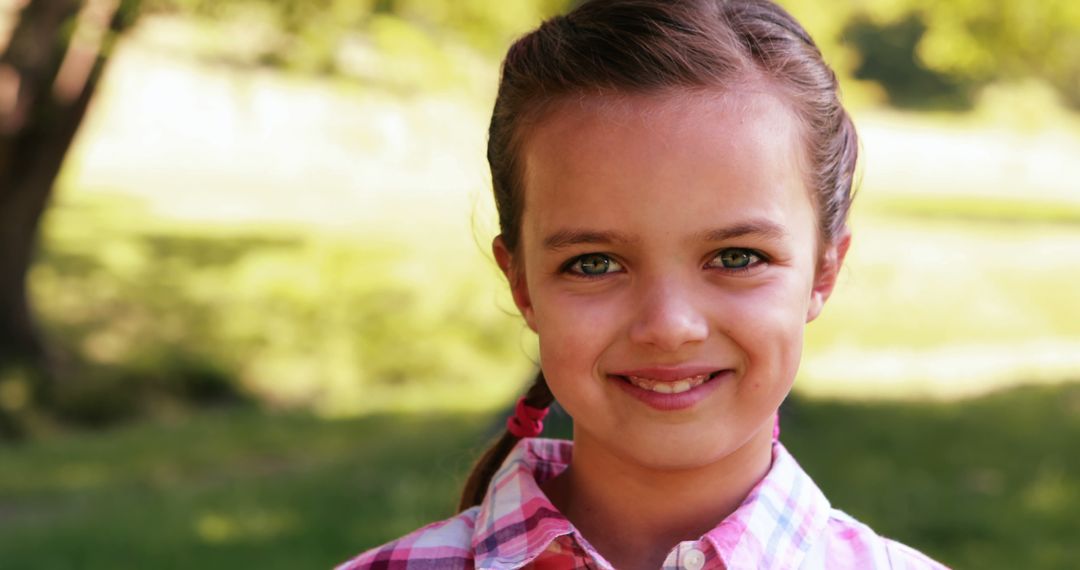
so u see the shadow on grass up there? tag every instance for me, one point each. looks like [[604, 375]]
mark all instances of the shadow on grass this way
[[149, 315], [127, 334], [991, 482], [232, 488]]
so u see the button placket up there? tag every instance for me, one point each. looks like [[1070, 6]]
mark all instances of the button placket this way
[[693, 559]]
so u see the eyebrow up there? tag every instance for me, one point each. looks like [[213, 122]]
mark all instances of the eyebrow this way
[[568, 238], [760, 227]]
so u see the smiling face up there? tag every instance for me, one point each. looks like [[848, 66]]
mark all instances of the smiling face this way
[[668, 261]]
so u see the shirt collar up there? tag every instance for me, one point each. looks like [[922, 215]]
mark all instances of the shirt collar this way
[[516, 521], [777, 523], [773, 528]]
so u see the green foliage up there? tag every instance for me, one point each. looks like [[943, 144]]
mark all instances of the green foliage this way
[[1003, 39], [986, 483], [888, 57], [931, 54], [950, 49], [340, 324], [429, 41], [926, 54], [488, 25], [21, 389]]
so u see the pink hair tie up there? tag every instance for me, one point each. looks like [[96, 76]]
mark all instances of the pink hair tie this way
[[527, 421]]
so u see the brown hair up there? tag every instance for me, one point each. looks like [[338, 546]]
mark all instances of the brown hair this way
[[651, 46]]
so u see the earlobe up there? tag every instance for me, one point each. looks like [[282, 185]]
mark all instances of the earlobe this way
[[516, 278], [832, 260]]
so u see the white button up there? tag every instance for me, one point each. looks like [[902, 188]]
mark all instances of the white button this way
[[694, 559]]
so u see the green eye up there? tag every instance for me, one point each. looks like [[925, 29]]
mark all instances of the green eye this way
[[594, 264], [736, 258]]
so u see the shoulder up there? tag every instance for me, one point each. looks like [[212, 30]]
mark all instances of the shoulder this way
[[444, 544], [849, 543]]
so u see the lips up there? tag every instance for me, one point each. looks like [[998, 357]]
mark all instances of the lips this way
[[670, 389], [669, 380], [665, 387]]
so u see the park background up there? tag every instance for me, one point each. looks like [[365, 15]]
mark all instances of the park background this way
[[275, 337]]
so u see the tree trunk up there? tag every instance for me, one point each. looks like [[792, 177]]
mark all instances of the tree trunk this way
[[48, 72]]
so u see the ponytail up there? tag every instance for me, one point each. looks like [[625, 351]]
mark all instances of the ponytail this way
[[538, 396]]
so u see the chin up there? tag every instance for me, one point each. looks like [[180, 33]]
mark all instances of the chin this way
[[678, 452]]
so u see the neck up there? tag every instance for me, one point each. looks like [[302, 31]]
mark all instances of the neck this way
[[652, 509]]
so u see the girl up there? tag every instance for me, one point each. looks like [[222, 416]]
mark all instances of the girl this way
[[672, 180]]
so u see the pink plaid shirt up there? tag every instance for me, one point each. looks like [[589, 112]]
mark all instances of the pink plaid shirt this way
[[785, 522]]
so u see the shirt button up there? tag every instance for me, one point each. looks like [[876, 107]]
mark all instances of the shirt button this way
[[694, 559]]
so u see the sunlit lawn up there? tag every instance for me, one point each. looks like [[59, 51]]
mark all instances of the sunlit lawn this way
[[987, 483], [947, 297]]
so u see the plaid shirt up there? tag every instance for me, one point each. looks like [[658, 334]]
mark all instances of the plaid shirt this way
[[785, 522]]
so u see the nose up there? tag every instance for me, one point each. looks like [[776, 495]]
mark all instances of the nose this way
[[668, 316]]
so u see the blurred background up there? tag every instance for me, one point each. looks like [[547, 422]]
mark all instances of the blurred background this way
[[248, 316]]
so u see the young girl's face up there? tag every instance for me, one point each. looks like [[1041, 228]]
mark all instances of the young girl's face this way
[[668, 261]]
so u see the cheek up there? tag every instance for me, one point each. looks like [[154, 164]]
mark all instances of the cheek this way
[[768, 322], [575, 327], [570, 351], [571, 311]]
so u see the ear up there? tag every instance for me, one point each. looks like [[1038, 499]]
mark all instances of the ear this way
[[828, 270], [516, 278]]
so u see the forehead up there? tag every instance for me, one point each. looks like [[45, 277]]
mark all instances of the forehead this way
[[677, 156]]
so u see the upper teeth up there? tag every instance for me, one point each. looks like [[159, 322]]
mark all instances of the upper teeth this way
[[676, 387]]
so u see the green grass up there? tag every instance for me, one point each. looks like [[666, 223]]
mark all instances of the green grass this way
[[1019, 210], [986, 483], [935, 280], [287, 315], [992, 482], [228, 490]]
